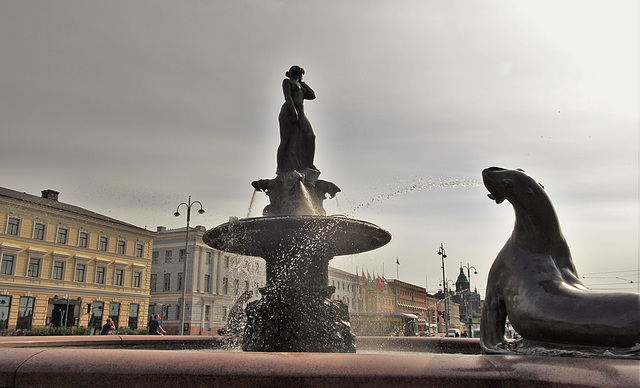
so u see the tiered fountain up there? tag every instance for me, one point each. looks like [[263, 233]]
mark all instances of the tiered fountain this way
[[297, 240], [295, 314]]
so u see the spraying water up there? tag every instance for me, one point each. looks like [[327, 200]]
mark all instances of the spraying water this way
[[340, 211], [419, 184], [307, 198], [253, 198]]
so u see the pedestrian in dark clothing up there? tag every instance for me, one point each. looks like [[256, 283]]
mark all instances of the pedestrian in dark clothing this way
[[154, 326], [107, 327]]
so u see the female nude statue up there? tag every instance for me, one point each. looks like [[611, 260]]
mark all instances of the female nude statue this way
[[297, 140]]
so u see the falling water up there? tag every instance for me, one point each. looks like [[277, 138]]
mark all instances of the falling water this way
[[340, 211], [253, 198], [307, 197]]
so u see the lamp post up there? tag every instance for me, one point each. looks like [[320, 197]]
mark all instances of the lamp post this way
[[475, 272], [468, 301], [188, 205], [443, 254]]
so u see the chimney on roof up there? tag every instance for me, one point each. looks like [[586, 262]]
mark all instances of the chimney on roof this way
[[50, 194], [161, 229]]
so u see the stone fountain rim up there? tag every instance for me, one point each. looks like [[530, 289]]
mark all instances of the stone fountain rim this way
[[254, 233]]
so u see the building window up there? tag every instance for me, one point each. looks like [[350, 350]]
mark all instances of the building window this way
[[226, 261], [207, 313], [63, 233], [225, 286], [137, 279], [207, 283], [236, 287], [168, 255], [104, 243], [183, 253], [225, 310], [154, 257], [119, 277], [165, 312], [5, 306], [58, 270], [114, 312], [80, 270], [38, 231], [246, 285], [83, 239], [167, 282], [153, 282], [13, 226], [133, 315], [34, 268], [25, 313], [122, 247], [95, 322], [180, 280], [7, 264], [209, 256], [100, 272], [139, 249]]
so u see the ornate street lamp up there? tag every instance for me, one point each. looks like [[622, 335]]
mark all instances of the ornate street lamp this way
[[443, 254], [468, 306], [188, 204], [475, 272]]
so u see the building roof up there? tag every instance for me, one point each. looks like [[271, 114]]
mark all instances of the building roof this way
[[63, 207], [462, 278]]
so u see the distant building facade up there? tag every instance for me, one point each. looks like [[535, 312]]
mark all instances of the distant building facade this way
[[469, 301], [214, 281], [62, 265], [347, 289]]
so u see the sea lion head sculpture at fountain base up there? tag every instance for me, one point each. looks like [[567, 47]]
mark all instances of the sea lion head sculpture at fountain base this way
[[534, 282]]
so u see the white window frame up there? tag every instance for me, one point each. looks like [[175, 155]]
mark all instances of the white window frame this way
[[66, 235], [18, 227], [44, 230]]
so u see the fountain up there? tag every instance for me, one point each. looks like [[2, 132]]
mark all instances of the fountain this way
[[297, 240], [295, 314]]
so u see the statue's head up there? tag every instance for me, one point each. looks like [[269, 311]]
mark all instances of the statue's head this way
[[295, 72]]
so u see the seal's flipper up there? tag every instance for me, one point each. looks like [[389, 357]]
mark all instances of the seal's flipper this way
[[494, 317]]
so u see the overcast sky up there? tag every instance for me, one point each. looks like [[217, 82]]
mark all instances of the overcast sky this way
[[128, 107]]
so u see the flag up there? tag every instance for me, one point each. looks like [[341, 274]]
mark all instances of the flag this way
[[380, 284], [384, 283], [369, 280], [364, 280], [397, 261]]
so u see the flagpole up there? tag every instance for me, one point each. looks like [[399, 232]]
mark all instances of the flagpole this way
[[397, 268]]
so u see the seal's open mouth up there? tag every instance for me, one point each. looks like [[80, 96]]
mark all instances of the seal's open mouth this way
[[490, 179], [498, 200]]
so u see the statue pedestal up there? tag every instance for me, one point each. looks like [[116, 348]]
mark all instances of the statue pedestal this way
[[298, 319]]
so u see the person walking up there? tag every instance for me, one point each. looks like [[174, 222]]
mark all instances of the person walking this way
[[154, 326]]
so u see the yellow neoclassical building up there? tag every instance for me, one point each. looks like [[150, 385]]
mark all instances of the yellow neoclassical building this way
[[63, 265]]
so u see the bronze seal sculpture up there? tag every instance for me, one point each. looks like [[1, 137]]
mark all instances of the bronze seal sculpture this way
[[534, 282]]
